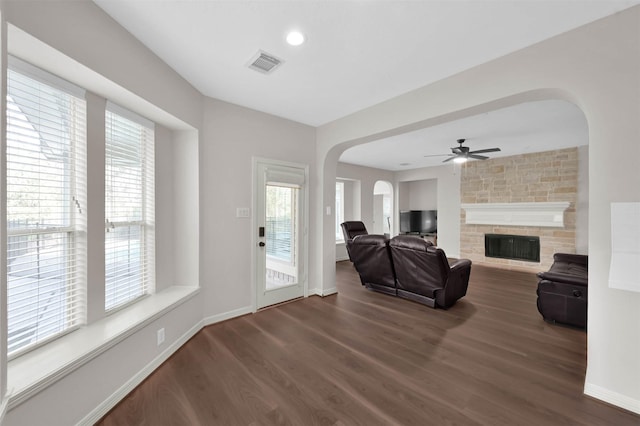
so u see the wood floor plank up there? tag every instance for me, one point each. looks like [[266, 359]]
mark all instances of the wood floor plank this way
[[365, 358]]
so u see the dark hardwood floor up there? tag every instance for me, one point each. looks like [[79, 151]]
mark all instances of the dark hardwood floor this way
[[364, 358]]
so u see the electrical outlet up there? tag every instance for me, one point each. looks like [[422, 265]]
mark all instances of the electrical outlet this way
[[160, 336]]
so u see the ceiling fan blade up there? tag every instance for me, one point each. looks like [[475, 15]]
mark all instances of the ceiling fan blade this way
[[450, 158], [478, 157], [482, 151]]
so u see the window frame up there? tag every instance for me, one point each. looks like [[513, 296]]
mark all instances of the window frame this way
[[70, 257]]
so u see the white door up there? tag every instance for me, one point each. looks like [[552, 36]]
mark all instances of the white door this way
[[280, 233]]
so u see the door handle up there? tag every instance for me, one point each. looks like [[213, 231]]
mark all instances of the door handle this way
[[261, 244]]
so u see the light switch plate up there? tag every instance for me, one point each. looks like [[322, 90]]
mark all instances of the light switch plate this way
[[242, 212]]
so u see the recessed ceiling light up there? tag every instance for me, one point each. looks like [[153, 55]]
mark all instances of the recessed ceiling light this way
[[295, 38]]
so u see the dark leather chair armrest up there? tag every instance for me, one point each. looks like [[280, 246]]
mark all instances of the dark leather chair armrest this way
[[459, 264], [456, 285], [563, 278]]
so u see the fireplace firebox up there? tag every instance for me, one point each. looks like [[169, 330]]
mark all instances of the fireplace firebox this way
[[516, 247]]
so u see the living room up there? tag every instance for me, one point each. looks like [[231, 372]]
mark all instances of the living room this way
[[205, 170], [546, 160]]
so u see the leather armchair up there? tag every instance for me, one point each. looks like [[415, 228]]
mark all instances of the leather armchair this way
[[563, 290], [423, 273], [370, 257], [350, 230]]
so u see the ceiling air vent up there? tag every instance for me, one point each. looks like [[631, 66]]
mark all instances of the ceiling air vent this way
[[264, 62]]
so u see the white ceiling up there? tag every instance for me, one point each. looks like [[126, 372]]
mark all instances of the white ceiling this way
[[360, 53], [529, 127]]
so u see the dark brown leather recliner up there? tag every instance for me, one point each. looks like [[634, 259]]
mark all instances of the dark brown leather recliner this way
[[563, 290], [370, 257], [423, 273], [350, 230]]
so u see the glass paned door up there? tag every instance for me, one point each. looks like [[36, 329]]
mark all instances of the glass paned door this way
[[281, 236], [279, 209]]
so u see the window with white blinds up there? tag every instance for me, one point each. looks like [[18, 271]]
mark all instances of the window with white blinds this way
[[46, 192], [129, 208]]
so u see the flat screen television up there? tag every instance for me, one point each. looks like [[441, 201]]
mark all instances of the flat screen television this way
[[419, 221]]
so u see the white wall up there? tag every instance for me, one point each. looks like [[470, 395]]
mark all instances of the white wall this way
[[420, 184], [351, 211], [598, 68], [165, 215], [232, 135], [367, 177], [582, 202], [420, 194], [359, 199], [351, 199]]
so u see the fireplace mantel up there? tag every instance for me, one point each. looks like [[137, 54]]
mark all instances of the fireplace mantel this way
[[549, 214]]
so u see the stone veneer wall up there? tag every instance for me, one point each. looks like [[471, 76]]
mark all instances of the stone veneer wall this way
[[539, 177]]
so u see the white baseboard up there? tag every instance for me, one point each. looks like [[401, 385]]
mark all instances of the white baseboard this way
[[102, 409], [322, 293], [227, 315], [613, 398], [330, 291]]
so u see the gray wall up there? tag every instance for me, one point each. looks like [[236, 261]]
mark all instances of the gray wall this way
[[232, 135]]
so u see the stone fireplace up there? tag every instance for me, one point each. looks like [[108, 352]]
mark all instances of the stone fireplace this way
[[531, 195]]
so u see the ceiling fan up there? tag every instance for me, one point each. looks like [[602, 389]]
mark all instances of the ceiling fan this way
[[461, 154]]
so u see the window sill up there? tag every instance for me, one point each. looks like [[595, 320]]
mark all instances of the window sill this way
[[34, 371]]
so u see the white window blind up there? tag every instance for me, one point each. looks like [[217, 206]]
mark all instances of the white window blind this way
[[129, 204], [46, 192]]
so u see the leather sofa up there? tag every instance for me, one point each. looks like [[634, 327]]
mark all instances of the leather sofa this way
[[411, 268], [563, 290], [370, 257], [424, 274]]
